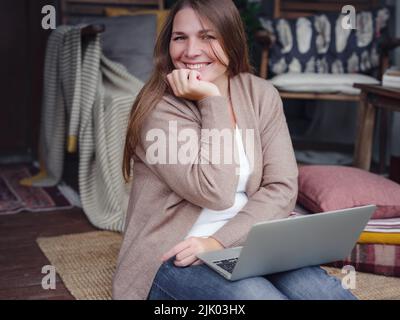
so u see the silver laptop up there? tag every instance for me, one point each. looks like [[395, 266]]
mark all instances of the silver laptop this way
[[291, 243]]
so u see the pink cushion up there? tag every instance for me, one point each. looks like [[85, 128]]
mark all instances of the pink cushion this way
[[325, 188]]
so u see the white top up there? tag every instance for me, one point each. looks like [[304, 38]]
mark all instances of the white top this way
[[209, 220]]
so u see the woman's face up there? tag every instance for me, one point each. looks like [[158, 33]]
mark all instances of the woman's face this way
[[191, 46]]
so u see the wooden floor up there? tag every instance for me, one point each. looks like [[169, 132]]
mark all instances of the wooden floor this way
[[21, 259]]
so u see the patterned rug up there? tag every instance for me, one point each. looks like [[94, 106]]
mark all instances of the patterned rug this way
[[86, 263], [15, 197]]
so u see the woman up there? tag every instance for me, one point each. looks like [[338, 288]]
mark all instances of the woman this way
[[191, 204]]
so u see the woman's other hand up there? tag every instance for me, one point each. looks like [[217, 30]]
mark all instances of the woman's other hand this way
[[185, 252], [187, 84]]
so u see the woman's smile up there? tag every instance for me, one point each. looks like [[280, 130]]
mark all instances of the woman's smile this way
[[200, 66]]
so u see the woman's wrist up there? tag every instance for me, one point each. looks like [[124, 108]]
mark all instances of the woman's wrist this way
[[214, 244], [207, 98], [213, 93]]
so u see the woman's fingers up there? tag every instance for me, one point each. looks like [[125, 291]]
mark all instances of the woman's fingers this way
[[177, 81], [197, 262], [172, 83], [185, 251], [184, 254], [188, 84], [193, 77], [186, 262], [188, 256], [175, 250], [181, 81], [183, 78]]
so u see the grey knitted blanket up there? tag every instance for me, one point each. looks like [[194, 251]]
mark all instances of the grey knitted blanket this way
[[87, 98]]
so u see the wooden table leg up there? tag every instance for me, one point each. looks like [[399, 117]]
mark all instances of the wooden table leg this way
[[359, 124], [365, 134], [382, 139]]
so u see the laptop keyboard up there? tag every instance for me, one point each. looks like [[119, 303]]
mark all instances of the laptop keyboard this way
[[227, 264]]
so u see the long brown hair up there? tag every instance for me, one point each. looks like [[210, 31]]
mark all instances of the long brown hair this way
[[225, 17]]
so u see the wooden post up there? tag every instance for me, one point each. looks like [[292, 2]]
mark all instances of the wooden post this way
[[383, 128], [365, 135], [264, 64], [277, 9]]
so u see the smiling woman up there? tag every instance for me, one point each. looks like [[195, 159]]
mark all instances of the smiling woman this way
[[174, 51], [199, 48], [202, 83]]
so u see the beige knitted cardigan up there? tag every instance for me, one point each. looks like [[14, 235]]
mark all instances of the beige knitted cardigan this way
[[166, 199]]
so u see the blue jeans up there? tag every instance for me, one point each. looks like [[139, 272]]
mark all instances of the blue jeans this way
[[201, 283]]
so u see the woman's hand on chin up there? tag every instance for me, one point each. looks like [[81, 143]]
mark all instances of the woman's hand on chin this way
[[185, 252], [187, 84]]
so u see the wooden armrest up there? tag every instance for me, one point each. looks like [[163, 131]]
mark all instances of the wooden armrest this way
[[264, 38], [93, 29], [390, 43]]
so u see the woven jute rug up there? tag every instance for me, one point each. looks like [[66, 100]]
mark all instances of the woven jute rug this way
[[85, 261], [86, 264]]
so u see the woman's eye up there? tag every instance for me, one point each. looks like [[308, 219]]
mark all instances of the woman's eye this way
[[208, 37], [205, 37]]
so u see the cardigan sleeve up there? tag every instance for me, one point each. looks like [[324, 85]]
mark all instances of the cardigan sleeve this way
[[277, 194], [197, 179]]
